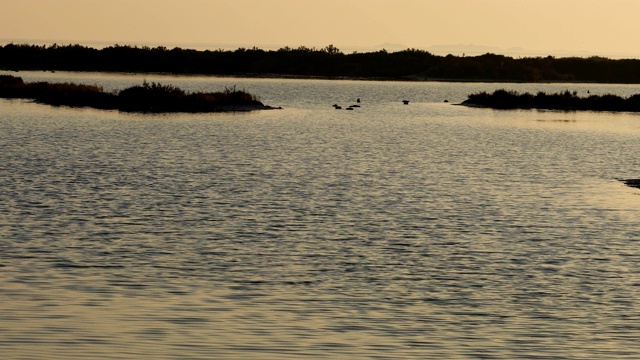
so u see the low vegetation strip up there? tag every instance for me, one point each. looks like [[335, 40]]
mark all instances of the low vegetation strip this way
[[503, 99], [152, 98]]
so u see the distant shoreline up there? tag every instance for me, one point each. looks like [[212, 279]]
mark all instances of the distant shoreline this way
[[325, 63], [318, 77]]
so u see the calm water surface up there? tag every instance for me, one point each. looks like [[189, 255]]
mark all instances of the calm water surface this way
[[388, 232]]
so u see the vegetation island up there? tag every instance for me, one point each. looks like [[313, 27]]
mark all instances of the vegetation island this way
[[568, 101], [328, 62], [149, 98]]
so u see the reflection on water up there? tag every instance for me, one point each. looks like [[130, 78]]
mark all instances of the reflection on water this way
[[391, 231]]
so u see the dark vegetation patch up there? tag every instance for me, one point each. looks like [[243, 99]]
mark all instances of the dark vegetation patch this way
[[147, 97], [503, 99], [632, 182]]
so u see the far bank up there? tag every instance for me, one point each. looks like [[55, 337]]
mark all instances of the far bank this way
[[325, 63]]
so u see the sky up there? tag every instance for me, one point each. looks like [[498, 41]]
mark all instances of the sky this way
[[527, 27]]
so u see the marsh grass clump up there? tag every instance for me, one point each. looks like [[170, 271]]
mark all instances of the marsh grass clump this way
[[156, 97], [239, 96], [152, 97], [8, 80], [68, 94], [504, 99], [56, 94], [148, 97]]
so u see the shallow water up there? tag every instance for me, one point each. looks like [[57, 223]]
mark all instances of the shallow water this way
[[398, 232]]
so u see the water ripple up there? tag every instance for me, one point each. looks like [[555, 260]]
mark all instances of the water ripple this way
[[406, 232]]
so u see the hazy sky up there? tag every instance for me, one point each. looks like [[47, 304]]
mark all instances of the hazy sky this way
[[603, 27]]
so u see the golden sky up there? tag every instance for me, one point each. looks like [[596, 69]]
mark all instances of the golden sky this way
[[602, 27]]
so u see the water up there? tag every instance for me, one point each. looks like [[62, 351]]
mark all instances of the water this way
[[388, 232]]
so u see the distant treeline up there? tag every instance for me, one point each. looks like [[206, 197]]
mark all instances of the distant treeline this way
[[503, 99], [328, 62]]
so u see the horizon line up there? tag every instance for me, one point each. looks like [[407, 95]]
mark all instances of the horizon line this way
[[439, 49]]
